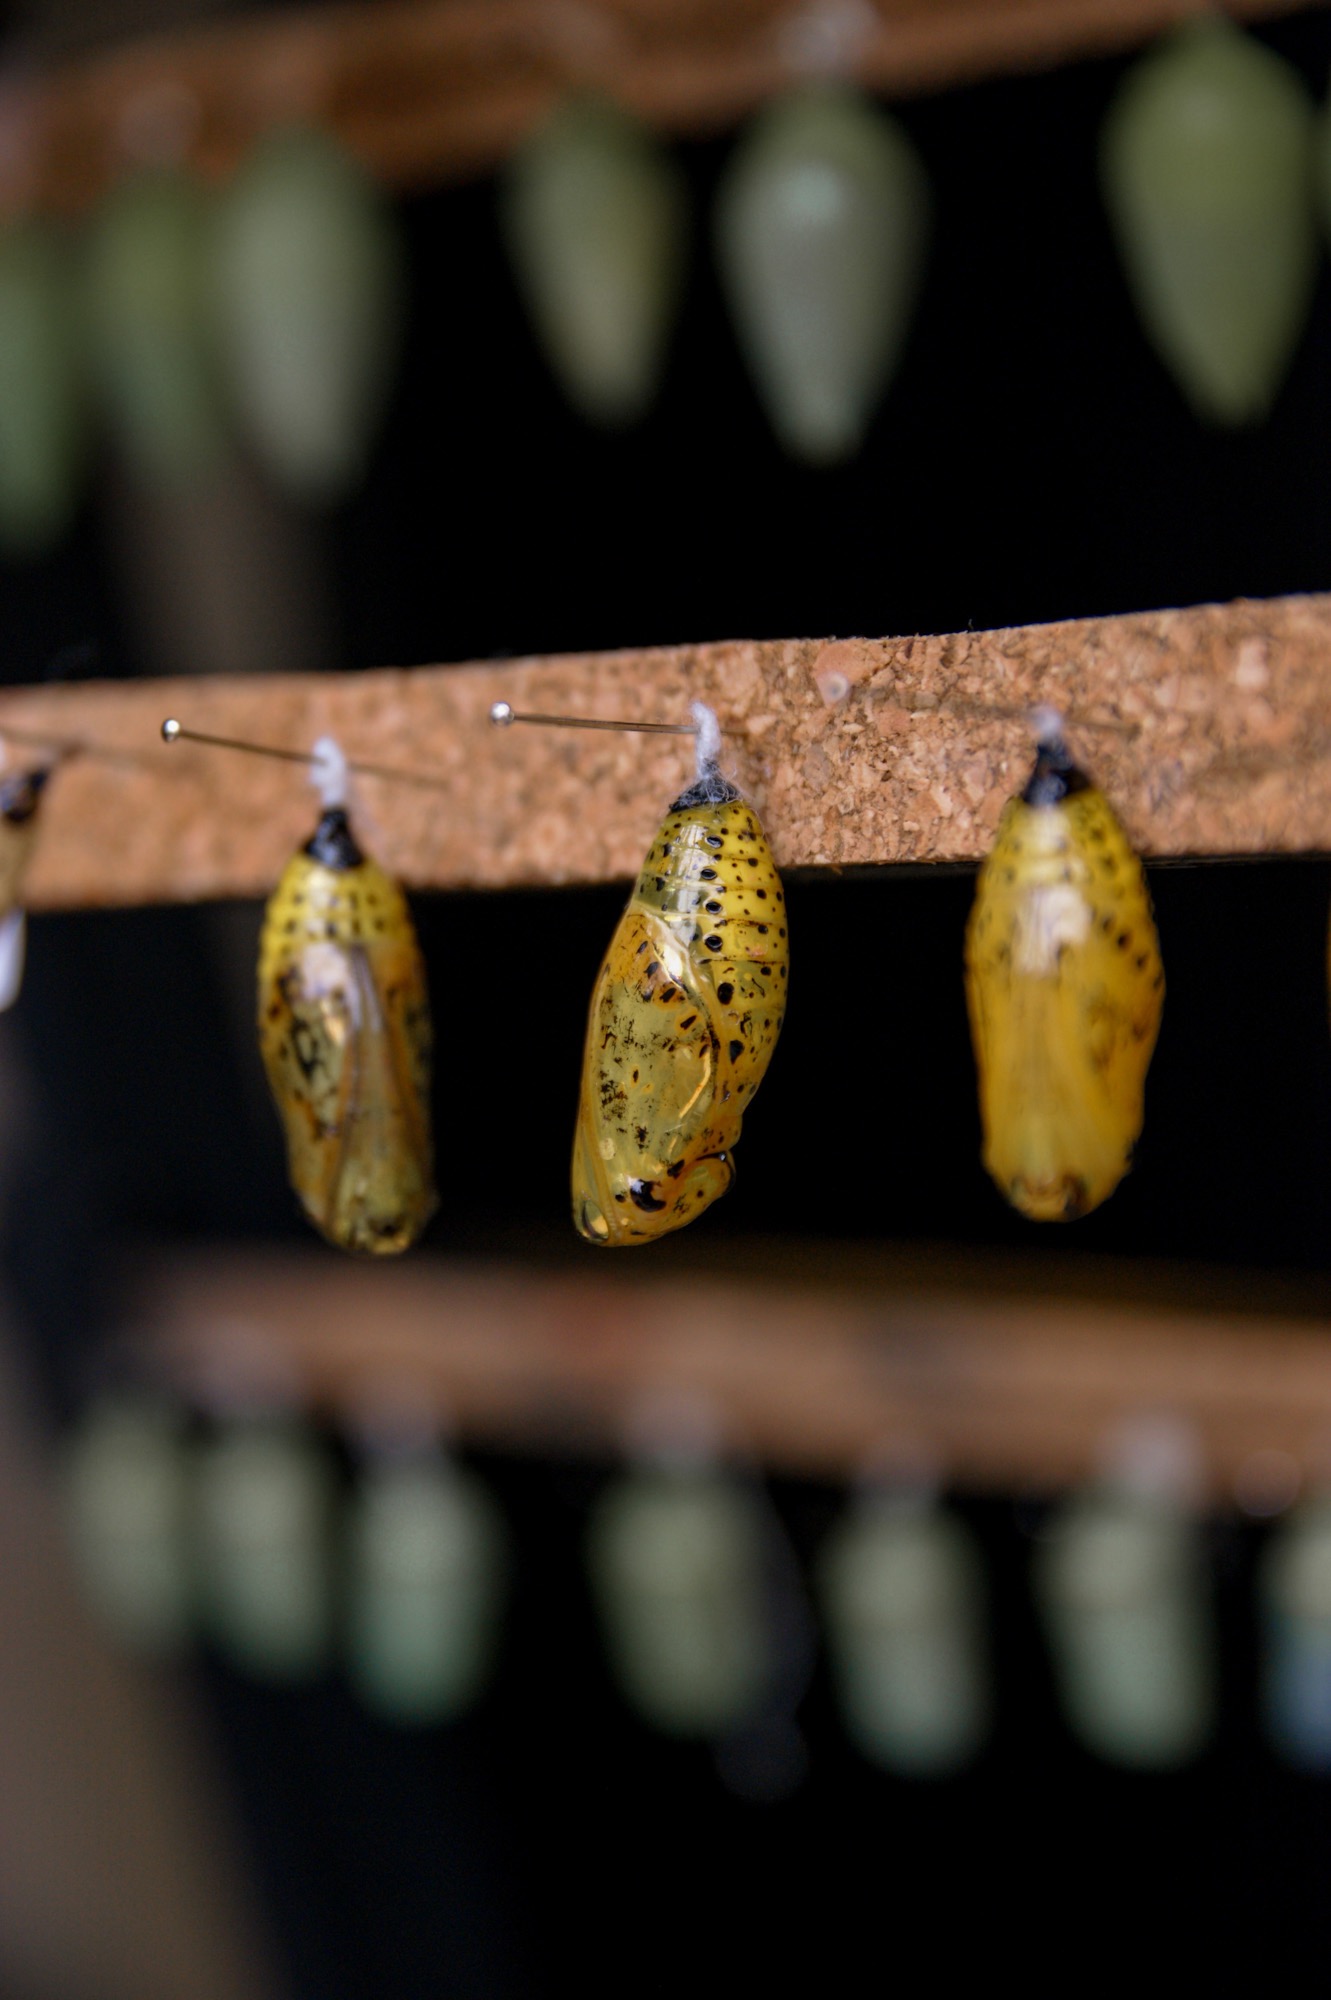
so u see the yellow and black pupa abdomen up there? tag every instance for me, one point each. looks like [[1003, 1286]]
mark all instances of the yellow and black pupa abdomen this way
[[1065, 990], [684, 1018], [344, 1031]]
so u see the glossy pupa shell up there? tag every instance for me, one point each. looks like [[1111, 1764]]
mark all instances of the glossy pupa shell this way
[[1065, 990], [684, 1018], [344, 1031]]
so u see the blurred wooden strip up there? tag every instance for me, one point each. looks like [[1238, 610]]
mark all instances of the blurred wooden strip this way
[[1210, 729], [426, 90], [1005, 1392]]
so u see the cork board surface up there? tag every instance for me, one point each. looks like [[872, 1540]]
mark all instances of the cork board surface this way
[[1209, 728]]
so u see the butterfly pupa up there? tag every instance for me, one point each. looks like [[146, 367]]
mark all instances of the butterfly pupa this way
[[20, 796], [344, 1031], [1065, 990], [684, 1017]]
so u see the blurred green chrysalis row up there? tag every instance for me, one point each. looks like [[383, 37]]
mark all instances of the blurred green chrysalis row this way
[[428, 1555], [902, 1593], [264, 1498], [1206, 165], [1295, 1597], [1120, 1580], [127, 1493], [149, 302], [676, 1558], [310, 290], [594, 215], [820, 233], [43, 388]]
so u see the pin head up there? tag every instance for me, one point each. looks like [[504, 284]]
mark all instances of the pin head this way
[[170, 729], [501, 713]]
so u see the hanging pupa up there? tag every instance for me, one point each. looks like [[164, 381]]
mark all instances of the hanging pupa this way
[[264, 1498], [43, 388], [127, 1490], [1065, 991], [427, 1558], [20, 797], [684, 1017], [1322, 164], [344, 1031], [150, 323], [595, 217], [310, 287], [903, 1607], [1206, 164], [1295, 1596], [677, 1557], [821, 225], [1120, 1580]]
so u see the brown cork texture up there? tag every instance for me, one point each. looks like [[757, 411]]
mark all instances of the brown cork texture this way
[[1209, 729], [426, 90]]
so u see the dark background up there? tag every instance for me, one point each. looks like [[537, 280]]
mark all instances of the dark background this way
[[1032, 461]]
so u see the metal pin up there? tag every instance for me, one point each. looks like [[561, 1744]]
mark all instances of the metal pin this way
[[503, 715], [176, 732]]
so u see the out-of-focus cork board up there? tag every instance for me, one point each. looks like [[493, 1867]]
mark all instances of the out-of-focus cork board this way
[[427, 90], [1209, 728], [998, 1378]]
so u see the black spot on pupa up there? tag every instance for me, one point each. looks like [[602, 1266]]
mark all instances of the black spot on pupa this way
[[644, 1197], [712, 943], [736, 1050], [712, 907], [725, 992], [707, 874], [686, 1023], [654, 968]]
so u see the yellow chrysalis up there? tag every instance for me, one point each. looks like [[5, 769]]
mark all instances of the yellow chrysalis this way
[[344, 1030], [683, 1021], [20, 796], [1065, 990]]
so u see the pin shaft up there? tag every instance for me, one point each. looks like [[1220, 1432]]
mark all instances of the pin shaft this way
[[176, 732], [502, 715]]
